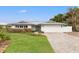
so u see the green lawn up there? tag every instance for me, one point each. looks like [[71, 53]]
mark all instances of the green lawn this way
[[26, 42]]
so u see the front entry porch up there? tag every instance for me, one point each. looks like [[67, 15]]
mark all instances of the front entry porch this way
[[36, 28]]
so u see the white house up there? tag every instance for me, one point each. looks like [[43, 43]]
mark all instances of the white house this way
[[42, 26], [3, 25]]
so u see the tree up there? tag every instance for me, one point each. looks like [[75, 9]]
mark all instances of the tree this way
[[73, 17], [58, 18]]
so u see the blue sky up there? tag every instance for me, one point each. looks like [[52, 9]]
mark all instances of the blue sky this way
[[9, 14]]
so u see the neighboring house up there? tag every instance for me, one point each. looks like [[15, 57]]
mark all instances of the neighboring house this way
[[42, 26], [3, 25]]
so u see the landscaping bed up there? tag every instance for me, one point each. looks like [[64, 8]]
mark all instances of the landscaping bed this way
[[18, 30], [4, 42], [3, 45]]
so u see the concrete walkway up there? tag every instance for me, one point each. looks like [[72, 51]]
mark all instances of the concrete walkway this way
[[63, 43]]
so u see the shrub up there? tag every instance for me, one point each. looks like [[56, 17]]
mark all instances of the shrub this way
[[4, 37], [28, 30], [19, 30], [1, 29]]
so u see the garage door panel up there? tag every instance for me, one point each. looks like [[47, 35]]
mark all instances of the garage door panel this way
[[50, 29]]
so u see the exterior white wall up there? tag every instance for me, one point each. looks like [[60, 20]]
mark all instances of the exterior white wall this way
[[29, 26], [66, 29], [56, 28], [13, 27]]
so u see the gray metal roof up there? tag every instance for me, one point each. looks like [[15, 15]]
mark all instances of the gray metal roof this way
[[35, 23]]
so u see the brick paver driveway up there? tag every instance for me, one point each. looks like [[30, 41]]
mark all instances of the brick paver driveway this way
[[63, 43]]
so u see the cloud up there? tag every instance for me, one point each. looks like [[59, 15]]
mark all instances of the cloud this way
[[23, 11]]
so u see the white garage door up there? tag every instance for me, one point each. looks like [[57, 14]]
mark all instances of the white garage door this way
[[50, 28], [56, 28]]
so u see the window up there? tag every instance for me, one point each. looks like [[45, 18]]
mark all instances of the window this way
[[21, 26], [17, 26], [26, 26]]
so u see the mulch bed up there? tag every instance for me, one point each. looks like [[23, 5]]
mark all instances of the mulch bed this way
[[3, 45]]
